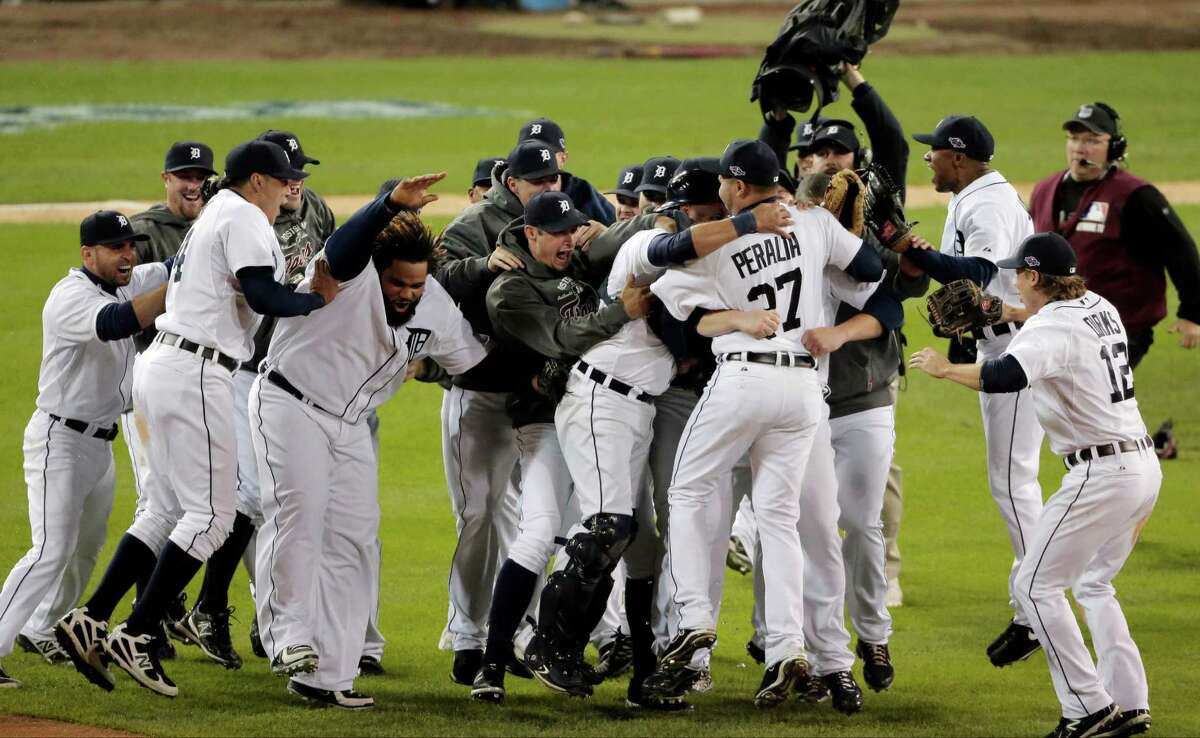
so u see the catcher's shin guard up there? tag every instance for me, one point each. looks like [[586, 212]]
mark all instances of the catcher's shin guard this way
[[566, 602]]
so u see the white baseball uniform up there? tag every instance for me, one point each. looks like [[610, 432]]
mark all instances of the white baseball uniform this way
[[323, 375], [770, 411], [1075, 354], [187, 400], [83, 386], [988, 220]]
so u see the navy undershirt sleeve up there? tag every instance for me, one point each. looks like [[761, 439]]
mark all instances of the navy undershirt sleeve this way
[[117, 320], [866, 266], [946, 268], [885, 307], [265, 296], [348, 249], [671, 249], [999, 376]]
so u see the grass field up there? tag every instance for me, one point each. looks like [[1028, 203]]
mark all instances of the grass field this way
[[955, 550]]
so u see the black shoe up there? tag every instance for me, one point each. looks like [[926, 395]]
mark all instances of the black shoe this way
[[670, 683], [210, 631], [1165, 445], [298, 659], [616, 656], [177, 613], [587, 672], [847, 697], [639, 697], [756, 652], [877, 665], [515, 666], [1099, 723], [345, 699], [779, 680], [370, 666], [489, 684], [82, 638], [684, 646], [812, 691], [1016, 643], [163, 648], [47, 649], [556, 670], [466, 666], [256, 641], [134, 653], [1127, 723], [7, 682], [736, 557]]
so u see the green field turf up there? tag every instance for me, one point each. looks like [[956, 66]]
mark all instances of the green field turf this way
[[956, 552]]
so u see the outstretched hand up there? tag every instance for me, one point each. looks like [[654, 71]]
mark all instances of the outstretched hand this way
[[930, 362], [411, 192]]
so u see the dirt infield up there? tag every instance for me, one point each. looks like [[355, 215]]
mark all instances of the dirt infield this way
[[175, 30], [16, 726]]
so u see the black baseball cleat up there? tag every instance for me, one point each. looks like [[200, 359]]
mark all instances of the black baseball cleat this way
[[616, 656], [846, 695], [48, 649], [177, 612], [684, 646], [703, 682], [370, 666], [135, 655], [164, 649], [737, 558], [343, 699], [489, 684], [210, 631], [1165, 445], [7, 682], [1099, 723], [812, 691], [877, 665], [557, 670], [671, 684], [756, 652], [779, 680], [298, 659], [1127, 723], [466, 666], [256, 640], [637, 696], [1016, 643], [82, 639]]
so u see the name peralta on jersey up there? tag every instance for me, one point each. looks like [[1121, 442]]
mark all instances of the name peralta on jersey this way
[[205, 303], [1076, 356], [765, 272]]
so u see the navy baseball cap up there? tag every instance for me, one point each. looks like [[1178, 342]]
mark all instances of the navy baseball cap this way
[[964, 134], [751, 161], [1096, 117], [532, 160], [106, 228], [260, 157], [189, 155], [627, 182], [553, 212], [287, 141], [804, 133], [656, 173], [1045, 253], [840, 132], [546, 131], [483, 169]]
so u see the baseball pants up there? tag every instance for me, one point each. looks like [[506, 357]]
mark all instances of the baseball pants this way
[[1082, 539], [188, 403], [319, 481], [136, 433], [744, 527], [69, 483], [772, 413], [479, 455], [863, 444], [546, 497]]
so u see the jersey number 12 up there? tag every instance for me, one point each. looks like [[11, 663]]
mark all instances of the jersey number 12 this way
[[768, 292], [1120, 374]]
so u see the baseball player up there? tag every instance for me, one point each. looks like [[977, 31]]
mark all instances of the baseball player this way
[[986, 223], [1074, 354], [83, 385], [481, 179], [185, 389], [652, 188], [317, 464], [594, 205], [303, 224], [625, 192], [767, 399]]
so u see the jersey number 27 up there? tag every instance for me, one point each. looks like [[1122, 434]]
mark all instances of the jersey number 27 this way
[[767, 292]]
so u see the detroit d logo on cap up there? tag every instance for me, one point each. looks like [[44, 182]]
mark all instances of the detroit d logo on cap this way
[[545, 154], [1032, 261], [660, 171], [536, 128], [628, 178], [194, 152], [564, 206], [122, 222], [292, 144]]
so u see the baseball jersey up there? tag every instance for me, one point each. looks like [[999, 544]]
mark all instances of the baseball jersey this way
[[1076, 356], [988, 220], [204, 300], [82, 377], [347, 359], [760, 271], [635, 355]]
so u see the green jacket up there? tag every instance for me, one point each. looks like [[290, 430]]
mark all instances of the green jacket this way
[[166, 231], [546, 314]]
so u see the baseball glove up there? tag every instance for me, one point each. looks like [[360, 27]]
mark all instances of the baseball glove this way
[[885, 211], [845, 199], [961, 306], [552, 379]]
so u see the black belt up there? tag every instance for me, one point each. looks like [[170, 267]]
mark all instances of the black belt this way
[[204, 352], [774, 358], [1107, 449], [79, 426], [1000, 329], [612, 383], [281, 382]]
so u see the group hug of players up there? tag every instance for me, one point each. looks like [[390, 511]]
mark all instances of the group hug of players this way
[[618, 382]]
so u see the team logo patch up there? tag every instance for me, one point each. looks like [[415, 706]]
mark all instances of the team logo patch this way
[[564, 206], [417, 337], [1085, 111], [293, 144], [737, 171], [957, 142], [122, 222], [545, 154], [194, 152], [831, 129], [660, 171], [1032, 261], [628, 178], [536, 128]]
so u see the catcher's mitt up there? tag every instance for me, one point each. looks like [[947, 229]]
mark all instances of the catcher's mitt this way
[[961, 306], [552, 379], [844, 197], [885, 211]]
